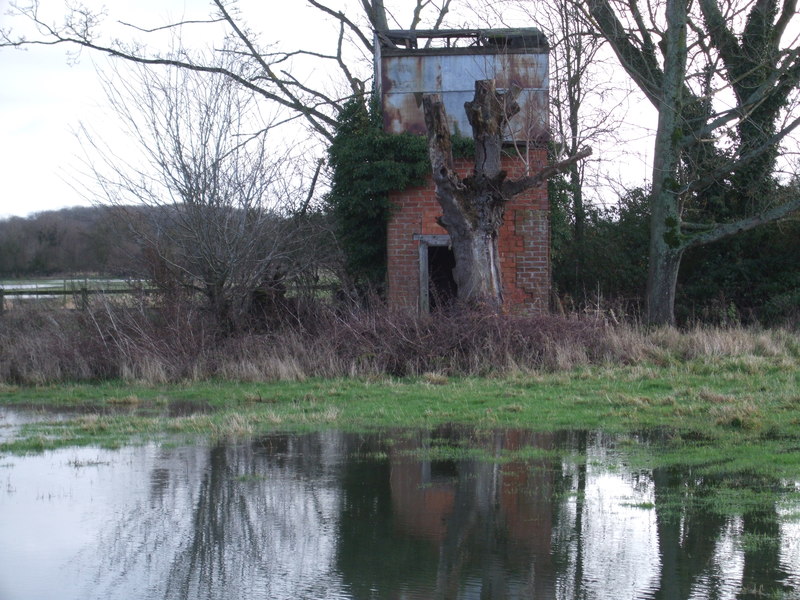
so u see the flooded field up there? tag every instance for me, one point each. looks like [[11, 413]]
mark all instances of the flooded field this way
[[443, 513]]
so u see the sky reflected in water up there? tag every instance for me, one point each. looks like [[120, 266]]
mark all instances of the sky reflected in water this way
[[390, 515]]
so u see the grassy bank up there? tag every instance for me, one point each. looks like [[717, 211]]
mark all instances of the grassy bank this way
[[722, 414], [723, 399]]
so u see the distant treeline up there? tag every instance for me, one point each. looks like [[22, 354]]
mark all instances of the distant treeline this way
[[70, 240], [754, 277]]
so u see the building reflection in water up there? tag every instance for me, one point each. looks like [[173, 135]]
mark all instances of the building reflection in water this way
[[489, 523]]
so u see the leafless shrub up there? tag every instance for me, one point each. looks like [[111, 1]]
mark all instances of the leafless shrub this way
[[176, 340], [40, 347]]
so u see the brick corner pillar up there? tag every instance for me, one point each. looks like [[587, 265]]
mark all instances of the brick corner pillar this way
[[525, 242], [402, 253]]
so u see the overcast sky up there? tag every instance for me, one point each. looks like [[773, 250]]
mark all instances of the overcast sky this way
[[44, 98], [41, 100]]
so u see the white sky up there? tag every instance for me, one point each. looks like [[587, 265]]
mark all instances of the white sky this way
[[41, 100]]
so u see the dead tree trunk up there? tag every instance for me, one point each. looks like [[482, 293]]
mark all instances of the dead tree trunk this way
[[473, 207]]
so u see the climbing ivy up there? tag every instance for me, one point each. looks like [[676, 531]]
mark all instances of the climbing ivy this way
[[368, 163]]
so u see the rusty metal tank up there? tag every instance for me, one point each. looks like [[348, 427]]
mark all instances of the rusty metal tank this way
[[412, 63]]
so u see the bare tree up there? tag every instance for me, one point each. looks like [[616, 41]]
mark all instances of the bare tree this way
[[585, 103], [203, 187], [473, 207], [572, 52]]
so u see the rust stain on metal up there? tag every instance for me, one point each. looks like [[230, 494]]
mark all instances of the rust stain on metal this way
[[407, 73], [395, 114]]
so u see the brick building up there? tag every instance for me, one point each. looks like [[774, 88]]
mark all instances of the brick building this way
[[419, 259]]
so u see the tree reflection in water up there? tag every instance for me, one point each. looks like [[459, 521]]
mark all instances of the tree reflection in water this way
[[419, 515], [244, 521]]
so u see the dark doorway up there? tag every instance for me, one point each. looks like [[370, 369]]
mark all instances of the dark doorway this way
[[441, 285]]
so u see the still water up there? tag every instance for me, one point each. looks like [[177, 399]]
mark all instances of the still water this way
[[384, 515]]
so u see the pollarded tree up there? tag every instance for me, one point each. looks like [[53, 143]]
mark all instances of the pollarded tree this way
[[473, 207], [722, 79]]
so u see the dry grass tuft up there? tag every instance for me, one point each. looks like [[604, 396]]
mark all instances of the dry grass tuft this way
[[715, 398], [131, 400], [435, 378], [235, 426], [743, 414]]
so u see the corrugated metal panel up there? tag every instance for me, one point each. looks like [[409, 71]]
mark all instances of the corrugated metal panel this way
[[406, 74]]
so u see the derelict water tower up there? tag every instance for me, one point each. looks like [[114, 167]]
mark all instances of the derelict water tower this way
[[412, 63]]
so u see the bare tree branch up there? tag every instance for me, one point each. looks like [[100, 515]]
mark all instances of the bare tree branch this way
[[742, 161], [356, 85], [517, 186], [170, 25], [321, 122], [641, 64], [345, 22], [293, 101], [719, 232]]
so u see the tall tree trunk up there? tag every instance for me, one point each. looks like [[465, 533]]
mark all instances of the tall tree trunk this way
[[662, 281], [477, 268], [579, 227], [377, 14], [574, 92], [666, 246]]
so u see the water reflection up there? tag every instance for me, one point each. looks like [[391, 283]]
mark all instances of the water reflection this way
[[400, 515]]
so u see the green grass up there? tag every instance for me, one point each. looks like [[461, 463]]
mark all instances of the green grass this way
[[726, 415]]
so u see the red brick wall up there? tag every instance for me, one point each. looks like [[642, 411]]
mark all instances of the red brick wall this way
[[524, 241]]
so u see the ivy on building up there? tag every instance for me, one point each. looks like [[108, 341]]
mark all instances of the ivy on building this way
[[368, 163]]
